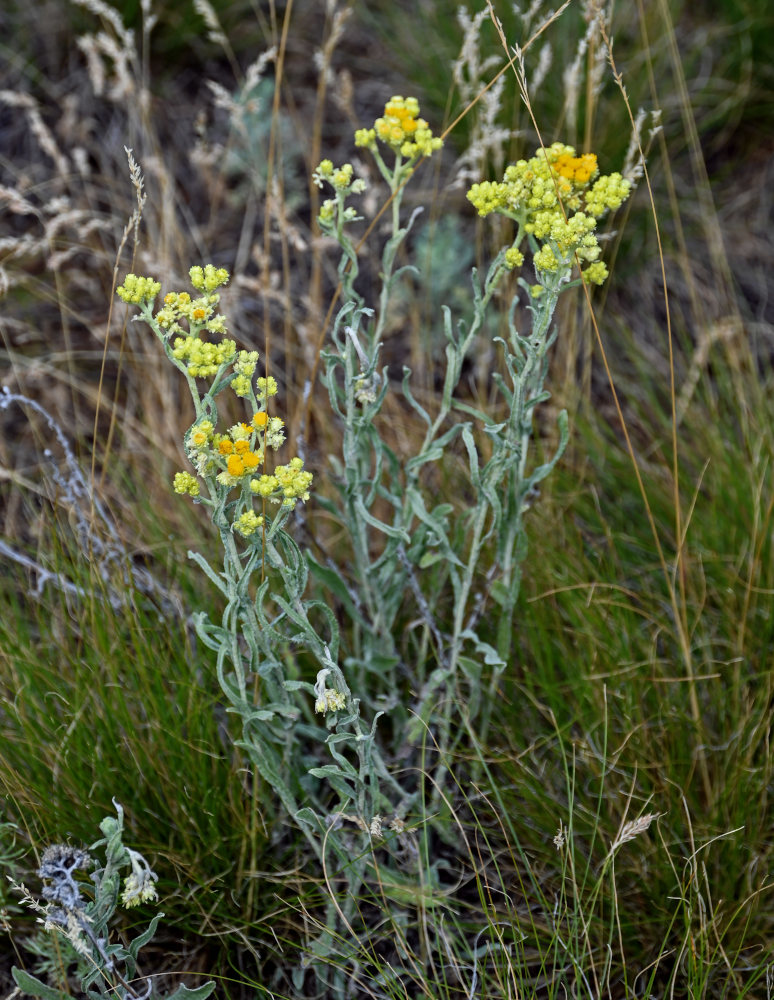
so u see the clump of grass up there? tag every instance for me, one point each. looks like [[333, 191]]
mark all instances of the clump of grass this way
[[598, 647]]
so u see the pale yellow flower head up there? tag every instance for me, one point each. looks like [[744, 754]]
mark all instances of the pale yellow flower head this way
[[136, 290], [203, 359], [185, 484], [248, 523], [208, 278], [330, 701], [401, 128], [552, 198], [139, 886]]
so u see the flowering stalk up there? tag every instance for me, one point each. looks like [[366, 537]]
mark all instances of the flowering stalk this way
[[555, 199], [556, 206], [316, 770]]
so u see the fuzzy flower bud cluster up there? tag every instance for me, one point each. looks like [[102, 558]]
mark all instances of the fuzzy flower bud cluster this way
[[203, 359], [199, 314], [138, 290], [138, 890], [208, 278], [234, 459], [289, 482], [401, 129], [344, 184], [340, 178], [556, 199], [244, 367], [186, 318], [327, 699], [248, 523], [330, 701], [139, 885]]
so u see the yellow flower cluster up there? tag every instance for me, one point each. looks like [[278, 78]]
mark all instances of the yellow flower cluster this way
[[330, 700], [289, 483], [537, 184], [574, 236], [248, 523], [244, 366], [513, 258], [236, 455], [340, 178], [137, 290], [185, 483], [233, 458], [344, 183], [608, 193], [401, 129], [203, 359], [266, 387], [208, 278], [198, 313], [539, 192], [576, 168], [139, 888]]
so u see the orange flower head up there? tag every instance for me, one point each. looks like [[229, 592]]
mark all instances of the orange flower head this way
[[576, 168]]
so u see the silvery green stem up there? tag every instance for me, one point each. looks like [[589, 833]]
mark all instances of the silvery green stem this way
[[396, 180], [457, 350]]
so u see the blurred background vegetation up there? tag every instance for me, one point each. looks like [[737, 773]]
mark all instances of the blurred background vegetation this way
[[106, 695]]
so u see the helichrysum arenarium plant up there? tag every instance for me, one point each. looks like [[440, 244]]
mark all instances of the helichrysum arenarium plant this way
[[556, 199], [249, 507], [80, 897], [406, 548]]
